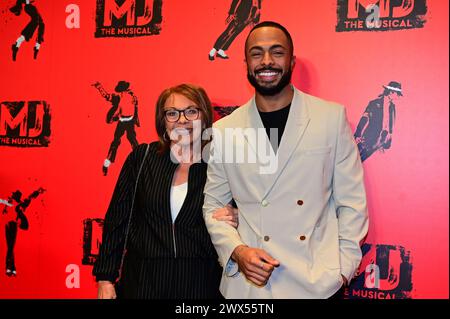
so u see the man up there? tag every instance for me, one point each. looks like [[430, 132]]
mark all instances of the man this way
[[374, 130], [241, 14], [300, 224], [124, 110]]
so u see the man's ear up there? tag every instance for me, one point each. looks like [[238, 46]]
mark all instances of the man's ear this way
[[293, 62]]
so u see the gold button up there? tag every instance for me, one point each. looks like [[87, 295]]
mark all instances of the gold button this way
[[302, 237], [300, 202], [264, 203], [266, 238]]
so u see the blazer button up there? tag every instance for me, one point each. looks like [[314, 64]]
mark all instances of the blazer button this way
[[264, 203], [266, 238], [302, 237], [300, 202]]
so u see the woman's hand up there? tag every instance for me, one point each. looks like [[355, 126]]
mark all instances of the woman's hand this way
[[106, 290], [228, 214]]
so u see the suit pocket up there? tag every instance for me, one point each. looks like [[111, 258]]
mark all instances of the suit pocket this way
[[316, 151], [318, 160], [327, 238]]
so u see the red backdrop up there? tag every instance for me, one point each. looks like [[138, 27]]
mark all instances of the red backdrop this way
[[407, 184]]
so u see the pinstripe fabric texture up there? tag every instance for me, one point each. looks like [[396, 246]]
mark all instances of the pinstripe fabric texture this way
[[164, 259]]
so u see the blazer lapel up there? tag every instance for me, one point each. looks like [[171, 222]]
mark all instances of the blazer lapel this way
[[296, 125], [258, 142], [254, 123]]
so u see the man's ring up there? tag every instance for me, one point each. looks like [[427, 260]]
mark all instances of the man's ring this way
[[261, 265]]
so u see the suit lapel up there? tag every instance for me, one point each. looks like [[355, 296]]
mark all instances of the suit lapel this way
[[296, 125], [254, 123], [258, 142]]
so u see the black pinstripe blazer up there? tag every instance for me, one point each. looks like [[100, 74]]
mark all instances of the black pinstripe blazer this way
[[164, 259]]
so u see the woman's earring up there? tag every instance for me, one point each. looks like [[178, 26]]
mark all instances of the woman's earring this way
[[166, 138]]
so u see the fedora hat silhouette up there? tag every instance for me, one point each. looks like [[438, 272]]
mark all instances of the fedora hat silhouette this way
[[122, 86], [394, 86]]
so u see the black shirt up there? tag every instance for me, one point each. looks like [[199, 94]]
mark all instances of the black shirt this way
[[277, 120]]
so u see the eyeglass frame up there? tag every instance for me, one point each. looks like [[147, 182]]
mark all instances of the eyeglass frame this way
[[184, 114]]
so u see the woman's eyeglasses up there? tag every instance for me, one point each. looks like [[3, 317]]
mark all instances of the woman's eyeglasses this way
[[190, 114]]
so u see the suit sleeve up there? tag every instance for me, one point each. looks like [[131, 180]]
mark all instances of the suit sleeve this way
[[217, 194], [350, 197], [116, 221]]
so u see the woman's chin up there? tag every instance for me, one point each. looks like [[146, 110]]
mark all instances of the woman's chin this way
[[183, 142]]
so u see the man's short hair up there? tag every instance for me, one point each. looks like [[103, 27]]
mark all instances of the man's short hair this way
[[272, 24]]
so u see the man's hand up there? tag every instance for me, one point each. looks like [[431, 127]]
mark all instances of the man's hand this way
[[228, 214], [256, 264], [106, 290]]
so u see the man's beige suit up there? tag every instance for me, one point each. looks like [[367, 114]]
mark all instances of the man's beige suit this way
[[310, 214]]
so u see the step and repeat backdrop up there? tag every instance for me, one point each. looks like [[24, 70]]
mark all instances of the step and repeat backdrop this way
[[65, 65]]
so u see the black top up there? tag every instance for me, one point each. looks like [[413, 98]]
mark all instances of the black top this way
[[276, 119], [164, 259]]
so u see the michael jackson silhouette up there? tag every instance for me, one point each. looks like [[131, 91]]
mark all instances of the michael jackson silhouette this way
[[19, 220], [376, 126], [241, 14], [124, 111], [27, 33]]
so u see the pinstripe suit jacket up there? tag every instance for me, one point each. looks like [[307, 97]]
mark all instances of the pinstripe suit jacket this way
[[164, 259]]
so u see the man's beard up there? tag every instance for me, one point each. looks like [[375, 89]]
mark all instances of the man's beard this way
[[273, 90]]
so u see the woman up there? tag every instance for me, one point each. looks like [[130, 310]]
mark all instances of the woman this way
[[169, 253]]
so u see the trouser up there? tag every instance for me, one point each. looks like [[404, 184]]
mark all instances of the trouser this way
[[231, 32], [170, 278], [35, 23], [11, 235], [121, 128]]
